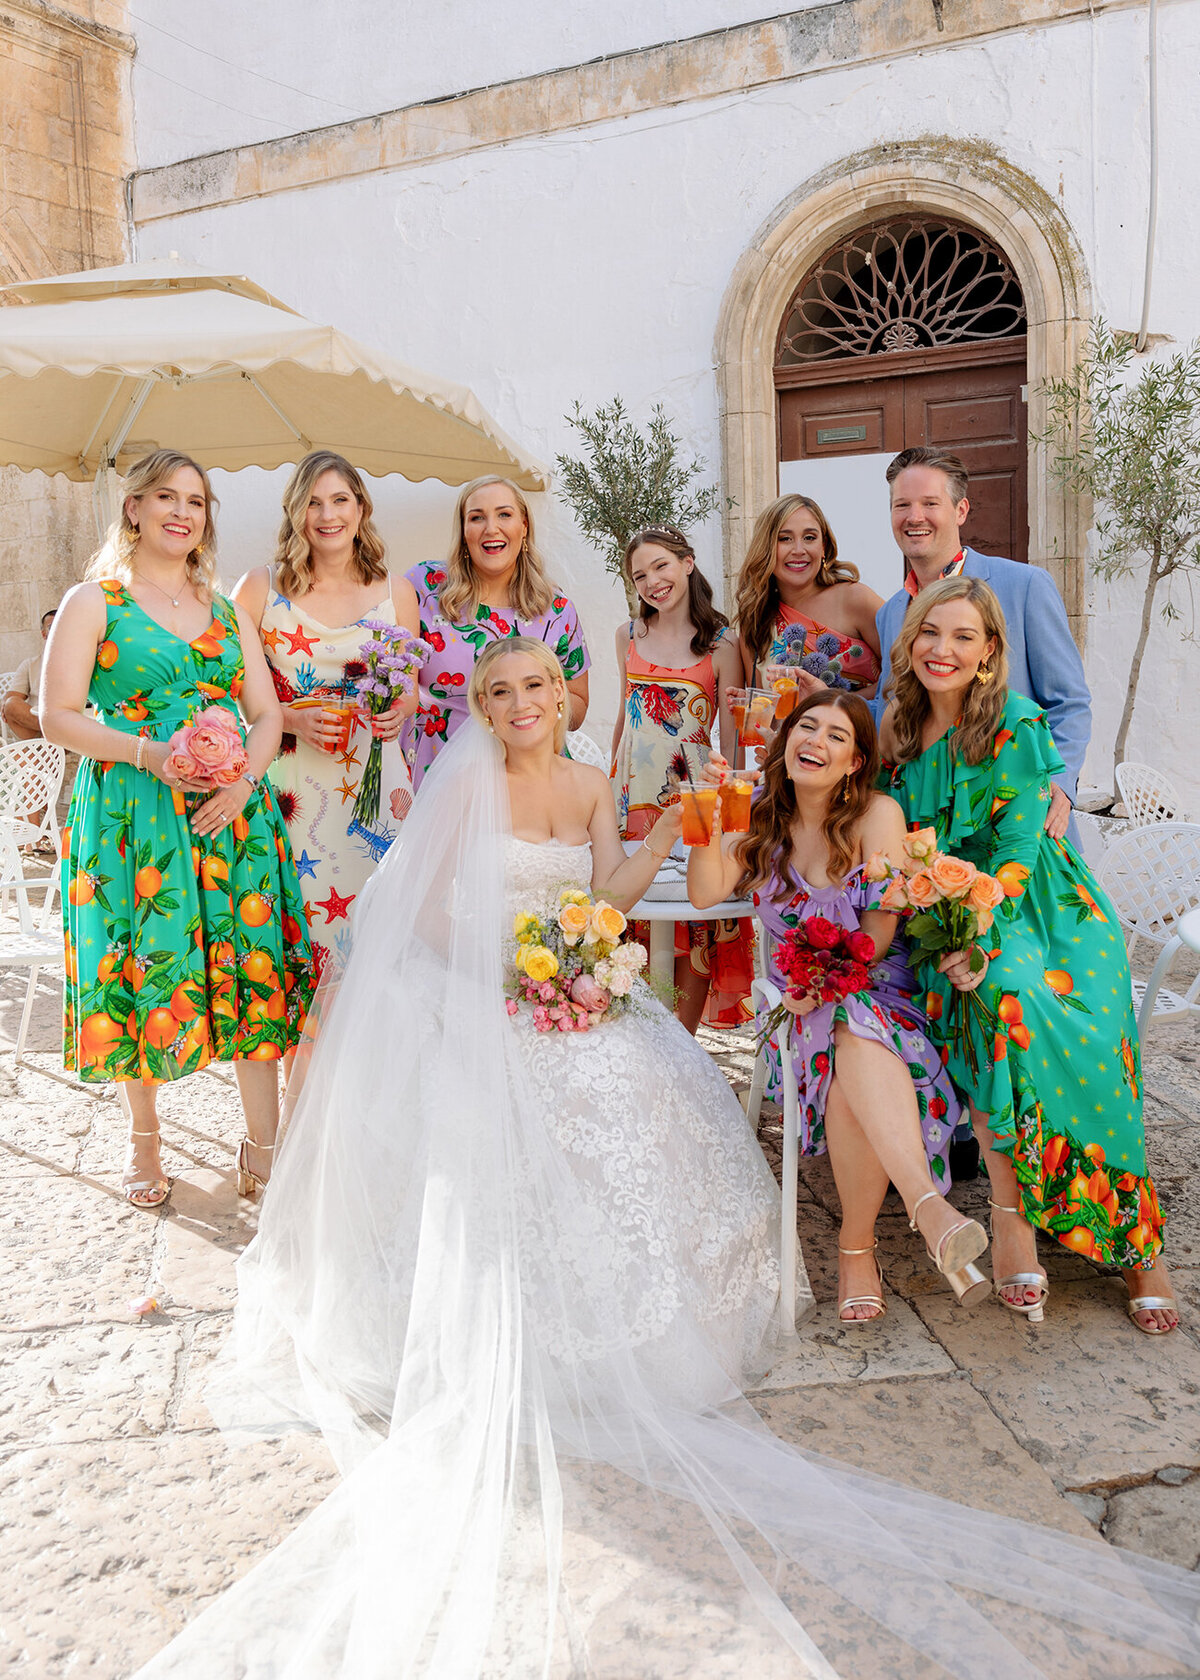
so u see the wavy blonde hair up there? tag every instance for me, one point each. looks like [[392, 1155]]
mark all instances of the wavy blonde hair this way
[[292, 565], [114, 557], [531, 591], [541, 655], [983, 704], [758, 598]]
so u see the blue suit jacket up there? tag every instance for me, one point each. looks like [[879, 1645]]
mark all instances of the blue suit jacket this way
[[1043, 661]]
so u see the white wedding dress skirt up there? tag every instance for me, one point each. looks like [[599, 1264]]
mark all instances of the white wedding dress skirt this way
[[518, 1280]]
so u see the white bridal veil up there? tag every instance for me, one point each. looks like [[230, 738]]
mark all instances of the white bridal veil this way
[[532, 1486]]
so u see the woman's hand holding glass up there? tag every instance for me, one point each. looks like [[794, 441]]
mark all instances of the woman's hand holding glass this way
[[314, 725]]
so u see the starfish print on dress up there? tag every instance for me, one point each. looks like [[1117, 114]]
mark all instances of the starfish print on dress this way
[[334, 906], [306, 865], [349, 757], [296, 639], [346, 791], [271, 639]]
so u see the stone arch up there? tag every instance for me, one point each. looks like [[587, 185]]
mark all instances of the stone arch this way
[[966, 180]]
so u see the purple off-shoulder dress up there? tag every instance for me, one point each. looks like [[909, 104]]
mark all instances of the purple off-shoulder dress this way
[[888, 1013]]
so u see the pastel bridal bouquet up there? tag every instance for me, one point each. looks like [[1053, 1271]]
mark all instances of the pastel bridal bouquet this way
[[822, 961], [209, 749], [392, 657], [949, 903], [575, 970]]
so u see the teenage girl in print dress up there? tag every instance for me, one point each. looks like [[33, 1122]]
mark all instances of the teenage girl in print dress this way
[[185, 938], [1053, 1069], [796, 598], [674, 660], [870, 1084], [329, 575]]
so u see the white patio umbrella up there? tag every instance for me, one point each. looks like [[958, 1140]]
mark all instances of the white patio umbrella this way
[[98, 368]]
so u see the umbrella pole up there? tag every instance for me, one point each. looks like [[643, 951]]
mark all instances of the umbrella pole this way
[[105, 498]]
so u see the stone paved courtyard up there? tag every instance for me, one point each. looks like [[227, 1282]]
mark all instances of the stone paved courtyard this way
[[123, 1509]]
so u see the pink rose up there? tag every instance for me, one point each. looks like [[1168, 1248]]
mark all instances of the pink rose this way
[[182, 766], [209, 746], [589, 993], [511, 1006], [224, 775], [546, 991]]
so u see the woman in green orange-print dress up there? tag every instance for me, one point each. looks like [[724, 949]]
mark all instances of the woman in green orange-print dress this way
[[1042, 1038], [185, 932]]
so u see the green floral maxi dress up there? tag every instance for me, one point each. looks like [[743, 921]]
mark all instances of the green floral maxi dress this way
[[1052, 1060], [180, 948]]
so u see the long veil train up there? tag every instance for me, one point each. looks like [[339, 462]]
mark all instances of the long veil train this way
[[532, 1485]]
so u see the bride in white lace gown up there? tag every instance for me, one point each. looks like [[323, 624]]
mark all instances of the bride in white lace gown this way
[[517, 1280]]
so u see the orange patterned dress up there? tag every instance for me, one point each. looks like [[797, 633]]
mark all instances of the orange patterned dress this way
[[669, 717]]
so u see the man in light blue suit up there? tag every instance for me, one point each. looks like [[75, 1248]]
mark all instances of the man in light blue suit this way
[[929, 504]]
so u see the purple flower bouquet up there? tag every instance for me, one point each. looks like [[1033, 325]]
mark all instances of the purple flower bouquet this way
[[393, 657]]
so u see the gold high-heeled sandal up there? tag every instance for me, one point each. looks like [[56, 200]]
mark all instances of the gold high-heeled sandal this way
[[249, 1183], [959, 1246], [158, 1188], [1032, 1310], [863, 1300]]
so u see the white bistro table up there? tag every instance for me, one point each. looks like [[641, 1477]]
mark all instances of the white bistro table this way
[[666, 902]]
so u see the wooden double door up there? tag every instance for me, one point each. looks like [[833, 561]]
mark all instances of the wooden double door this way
[[970, 402]]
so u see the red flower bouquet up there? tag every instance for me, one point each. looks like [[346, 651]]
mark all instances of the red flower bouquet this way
[[821, 961]]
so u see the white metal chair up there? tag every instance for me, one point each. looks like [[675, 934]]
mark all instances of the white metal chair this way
[[584, 750], [767, 994], [1157, 1003], [1152, 876], [7, 678], [1148, 796], [35, 943], [31, 778]]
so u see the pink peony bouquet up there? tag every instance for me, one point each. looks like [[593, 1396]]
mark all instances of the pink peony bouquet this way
[[949, 903], [575, 969], [209, 750]]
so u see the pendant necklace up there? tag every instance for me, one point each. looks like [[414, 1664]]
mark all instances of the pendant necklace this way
[[174, 599]]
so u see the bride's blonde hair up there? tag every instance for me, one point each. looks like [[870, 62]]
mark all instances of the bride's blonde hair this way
[[541, 655]]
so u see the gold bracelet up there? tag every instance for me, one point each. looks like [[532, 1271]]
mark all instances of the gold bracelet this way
[[661, 856]]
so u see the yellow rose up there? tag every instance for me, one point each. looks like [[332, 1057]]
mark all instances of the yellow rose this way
[[519, 959], [574, 920], [540, 964], [573, 895], [608, 924], [523, 923]]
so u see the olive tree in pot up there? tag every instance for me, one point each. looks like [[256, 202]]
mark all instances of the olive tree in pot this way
[[627, 479], [1133, 445]]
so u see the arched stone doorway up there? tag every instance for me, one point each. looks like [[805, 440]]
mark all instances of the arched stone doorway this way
[[936, 179], [911, 330]]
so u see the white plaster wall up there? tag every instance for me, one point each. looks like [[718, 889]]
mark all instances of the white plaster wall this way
[[227, 74], [585, 264]]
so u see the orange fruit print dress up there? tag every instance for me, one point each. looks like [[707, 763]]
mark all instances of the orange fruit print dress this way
[[180, 949], [1052, 1060]]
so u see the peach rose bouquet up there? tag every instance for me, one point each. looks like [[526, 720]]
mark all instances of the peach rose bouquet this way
[[948, 904], [209, 749], [575, 968]]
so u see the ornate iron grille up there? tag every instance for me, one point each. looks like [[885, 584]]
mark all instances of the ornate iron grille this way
[[903, 284]]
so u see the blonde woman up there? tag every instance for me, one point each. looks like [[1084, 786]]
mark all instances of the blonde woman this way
[[311, 606], [493, 585], [798, 603], [1048, 1053], [185, 937]]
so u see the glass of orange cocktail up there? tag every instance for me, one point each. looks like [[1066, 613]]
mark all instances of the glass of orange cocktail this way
[[699, 803], [734, 795], [758, 717], [781, 680], [343, 712]]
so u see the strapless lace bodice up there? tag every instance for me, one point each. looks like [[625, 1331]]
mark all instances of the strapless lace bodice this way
[[536, 872]]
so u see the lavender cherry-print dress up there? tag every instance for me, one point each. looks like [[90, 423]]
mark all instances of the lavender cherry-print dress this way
[[886, 1013]]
